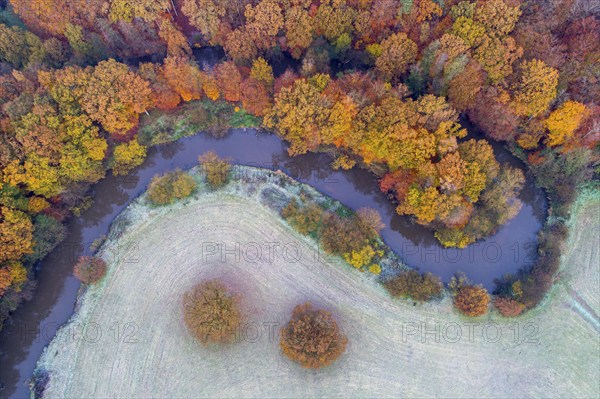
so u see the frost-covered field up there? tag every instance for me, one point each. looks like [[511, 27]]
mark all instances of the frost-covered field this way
[[127, 338]]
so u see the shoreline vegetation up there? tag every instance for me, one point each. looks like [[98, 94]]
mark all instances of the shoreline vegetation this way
[[260, 196], [71, 109]]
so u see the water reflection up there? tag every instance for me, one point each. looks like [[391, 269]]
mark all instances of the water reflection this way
[[33, 325]]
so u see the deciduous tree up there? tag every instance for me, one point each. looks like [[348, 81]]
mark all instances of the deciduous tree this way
[[204, 15], [229, 80], [16, 234], [127, 156], [398, 52], [535, 89], [472, 300], [212, 313], [312, 337], [114, 96], [184, 77], [563, 122]]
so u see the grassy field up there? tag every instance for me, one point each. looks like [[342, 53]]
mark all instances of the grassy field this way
[[127, 338]]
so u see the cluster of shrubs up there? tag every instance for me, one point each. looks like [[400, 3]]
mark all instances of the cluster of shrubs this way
[[561, 175], [353, 236], [414, 285], [216, 169], [89, 269], [529, 287], [171, 186], [213, 314]]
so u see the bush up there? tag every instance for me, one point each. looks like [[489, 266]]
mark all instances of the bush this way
[[412, 284], [305, 220], [538, 281], [47, 234], [472, 300], [343, 235], [89, 270], [370, 220], [127, 156], [312, 337], [216, 169], [212, 313], [508, 307], [171, 186], [375, 269]]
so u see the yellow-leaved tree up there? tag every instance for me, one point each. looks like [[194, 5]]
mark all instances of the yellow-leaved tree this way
[[563, 122]]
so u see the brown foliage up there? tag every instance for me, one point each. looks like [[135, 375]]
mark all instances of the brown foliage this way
[[89, 269], [494, 118], [306, 220], [312, 337], [216, 169], [415, 285], [341, 235], [16, 234], [370, 220], [229, 80], [472, 300], [508, 307], [255, 97], [212, 313]]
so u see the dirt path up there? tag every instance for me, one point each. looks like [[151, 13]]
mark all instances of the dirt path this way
[[127, 338]]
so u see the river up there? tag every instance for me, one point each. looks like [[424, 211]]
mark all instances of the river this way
[[34, 323]]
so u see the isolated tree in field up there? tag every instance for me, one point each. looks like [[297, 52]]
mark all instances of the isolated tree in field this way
[[212, 313], [216, 169], [170, 187], [89, 269], [312, 337], [397, 53], [115, 96], [472, 300]]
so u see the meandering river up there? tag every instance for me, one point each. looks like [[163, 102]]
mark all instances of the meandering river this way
[[34, 324]]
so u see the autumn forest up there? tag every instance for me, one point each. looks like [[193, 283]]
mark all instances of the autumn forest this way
[[384, 85]]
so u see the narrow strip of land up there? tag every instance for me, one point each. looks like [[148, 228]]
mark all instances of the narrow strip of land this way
[[128, 338]]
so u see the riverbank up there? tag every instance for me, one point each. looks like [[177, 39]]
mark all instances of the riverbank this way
[[155, 254]]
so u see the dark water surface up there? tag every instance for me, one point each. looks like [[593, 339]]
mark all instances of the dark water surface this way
[[34, 324]]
